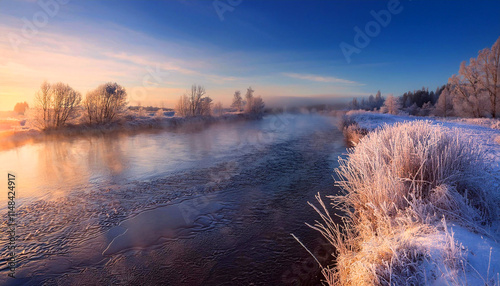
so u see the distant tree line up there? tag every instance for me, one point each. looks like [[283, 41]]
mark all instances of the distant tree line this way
[[197, 103], [149, 108], [473, 92], [420, 102], [372, 104], [57, 105]]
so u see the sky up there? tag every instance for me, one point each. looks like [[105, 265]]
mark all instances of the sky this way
[[288, 51]]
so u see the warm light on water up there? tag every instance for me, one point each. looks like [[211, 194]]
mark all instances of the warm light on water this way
[[55, 167], [103, 199]]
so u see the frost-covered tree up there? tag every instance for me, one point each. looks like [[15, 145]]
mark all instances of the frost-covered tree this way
[[426, 109], [195, 99], [106, 103], [257, 105], [444, 106], [237, 101], [182, 107], [55, 105], [489, 67], [194, 104], [413, 109], [468, 96], [476, 88], [249, 100], [43, 107], [253, 104], [391, 104]]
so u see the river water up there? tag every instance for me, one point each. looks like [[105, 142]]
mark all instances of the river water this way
[[193, 207]]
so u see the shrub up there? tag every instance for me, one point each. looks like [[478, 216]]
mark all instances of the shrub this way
[[351, 130]]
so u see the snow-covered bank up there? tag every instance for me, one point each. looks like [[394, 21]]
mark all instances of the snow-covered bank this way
[[23, 135], [484, 131], [422, 201]]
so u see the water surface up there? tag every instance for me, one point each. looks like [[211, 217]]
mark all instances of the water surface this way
[[207, 207]]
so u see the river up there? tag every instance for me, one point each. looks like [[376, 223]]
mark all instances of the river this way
[[193, 207]]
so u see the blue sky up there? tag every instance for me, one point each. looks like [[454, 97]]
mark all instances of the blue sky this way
[[157, 49]]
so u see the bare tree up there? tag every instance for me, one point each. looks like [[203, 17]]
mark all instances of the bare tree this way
[[182, 107], [237, 101], [106, 103], [197, 93], [43, 111], [194, 104], [55, 105], [66, 101]]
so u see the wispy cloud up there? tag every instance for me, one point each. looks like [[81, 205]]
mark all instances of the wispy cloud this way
[[143, 61], [324, 79], [152, 69], [153, 66]]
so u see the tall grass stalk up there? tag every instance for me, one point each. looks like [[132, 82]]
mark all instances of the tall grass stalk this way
[[400, 185]]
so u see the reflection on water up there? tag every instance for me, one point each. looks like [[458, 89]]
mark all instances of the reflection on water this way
[[240, 190], [55, 167]]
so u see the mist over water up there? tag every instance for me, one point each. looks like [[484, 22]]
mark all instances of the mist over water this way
[[186, 207]]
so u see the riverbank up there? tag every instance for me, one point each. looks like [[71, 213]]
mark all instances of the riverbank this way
[[15, 137], [421, 199]]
